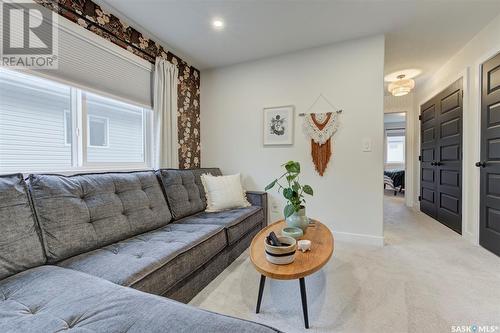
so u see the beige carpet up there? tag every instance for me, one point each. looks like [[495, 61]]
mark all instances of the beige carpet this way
[[425, 279]]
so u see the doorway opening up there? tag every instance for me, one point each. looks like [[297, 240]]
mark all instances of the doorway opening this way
[[395, 155]]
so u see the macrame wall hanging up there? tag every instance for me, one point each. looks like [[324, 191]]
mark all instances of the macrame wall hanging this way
[[320, 127]]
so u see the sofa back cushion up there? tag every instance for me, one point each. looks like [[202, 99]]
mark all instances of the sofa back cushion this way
[[184, 190], [85, 212], [20, 245], [182, 193]]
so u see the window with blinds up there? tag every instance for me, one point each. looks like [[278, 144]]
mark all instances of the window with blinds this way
[[49, 126], [395, 146], [94, 64]]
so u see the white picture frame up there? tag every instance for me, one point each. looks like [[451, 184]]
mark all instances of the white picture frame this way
[[278, 125]]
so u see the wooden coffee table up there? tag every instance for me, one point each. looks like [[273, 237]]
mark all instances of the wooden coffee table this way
[[304, 264]]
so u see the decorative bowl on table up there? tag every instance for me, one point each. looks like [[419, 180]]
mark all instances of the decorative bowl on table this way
[[281, 255], [293, 232]]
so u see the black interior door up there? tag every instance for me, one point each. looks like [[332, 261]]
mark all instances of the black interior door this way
[[489, 233], [428, 144], [441, 157]]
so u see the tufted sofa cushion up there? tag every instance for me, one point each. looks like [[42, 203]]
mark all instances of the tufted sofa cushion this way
[[20, 246], [84, 212], [54, 299], [237, 222], [150, 262], [182, 193]]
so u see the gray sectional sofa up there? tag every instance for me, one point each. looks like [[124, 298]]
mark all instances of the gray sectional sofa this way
[[92, 252]]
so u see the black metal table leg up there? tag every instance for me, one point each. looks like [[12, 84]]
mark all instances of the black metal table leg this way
[[261, 290], [303, 295]]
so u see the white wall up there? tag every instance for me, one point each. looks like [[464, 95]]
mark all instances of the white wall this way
[[465, 63], [349, 196]]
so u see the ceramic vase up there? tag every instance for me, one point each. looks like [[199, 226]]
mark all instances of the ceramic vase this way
[[298, 220]]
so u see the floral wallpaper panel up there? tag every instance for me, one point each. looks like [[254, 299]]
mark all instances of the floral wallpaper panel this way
[[92, 17]]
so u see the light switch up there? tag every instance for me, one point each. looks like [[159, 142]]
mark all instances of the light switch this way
[[367, 145]]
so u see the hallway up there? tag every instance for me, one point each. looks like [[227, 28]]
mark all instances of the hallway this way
[[425, 279]]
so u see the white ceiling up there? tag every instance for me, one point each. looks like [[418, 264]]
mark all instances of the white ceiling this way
[[420, 33]]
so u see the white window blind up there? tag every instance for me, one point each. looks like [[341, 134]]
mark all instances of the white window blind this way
[[93, 63]]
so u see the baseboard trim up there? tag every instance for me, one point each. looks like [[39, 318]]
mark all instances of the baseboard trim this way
[[359, 238]]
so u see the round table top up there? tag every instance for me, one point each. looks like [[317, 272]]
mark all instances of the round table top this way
[[305, 263]]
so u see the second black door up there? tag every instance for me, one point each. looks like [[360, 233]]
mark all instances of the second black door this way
[[441, 157], [489, 233]]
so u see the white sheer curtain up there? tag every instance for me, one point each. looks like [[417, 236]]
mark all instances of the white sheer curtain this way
[[165, 115]]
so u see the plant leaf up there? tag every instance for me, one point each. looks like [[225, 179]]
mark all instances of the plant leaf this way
[[291, 177], [292, 167], [308, 189], [271, 185], [289, 210], [288, 193], [297, 166]]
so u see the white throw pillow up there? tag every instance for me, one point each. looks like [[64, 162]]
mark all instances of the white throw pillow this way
[[223, 192]]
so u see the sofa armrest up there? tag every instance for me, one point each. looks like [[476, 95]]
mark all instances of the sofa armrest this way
[[258, 198]]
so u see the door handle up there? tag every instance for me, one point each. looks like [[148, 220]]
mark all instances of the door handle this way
[[439, 163], [433, 163], [481, 164]]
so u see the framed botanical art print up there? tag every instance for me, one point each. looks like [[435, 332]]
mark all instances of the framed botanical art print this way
[[278, 125]]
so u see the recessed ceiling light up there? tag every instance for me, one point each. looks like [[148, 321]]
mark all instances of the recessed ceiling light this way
[[218, 24]]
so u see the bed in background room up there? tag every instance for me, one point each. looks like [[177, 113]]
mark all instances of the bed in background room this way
[[394, 180]]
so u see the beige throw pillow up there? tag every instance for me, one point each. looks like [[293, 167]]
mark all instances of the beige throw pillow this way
[[223, 192]]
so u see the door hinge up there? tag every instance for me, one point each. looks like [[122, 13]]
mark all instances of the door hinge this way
[[420, 117], [419, 198], [420, 157]]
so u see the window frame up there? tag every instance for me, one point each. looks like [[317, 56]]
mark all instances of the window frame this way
[[80, 131], [66, 113]]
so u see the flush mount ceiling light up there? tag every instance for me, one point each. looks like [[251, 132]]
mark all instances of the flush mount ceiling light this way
[[218, 24], [401, 86], [409, 73]]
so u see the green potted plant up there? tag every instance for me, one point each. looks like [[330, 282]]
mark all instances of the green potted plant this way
[[293, 192]]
